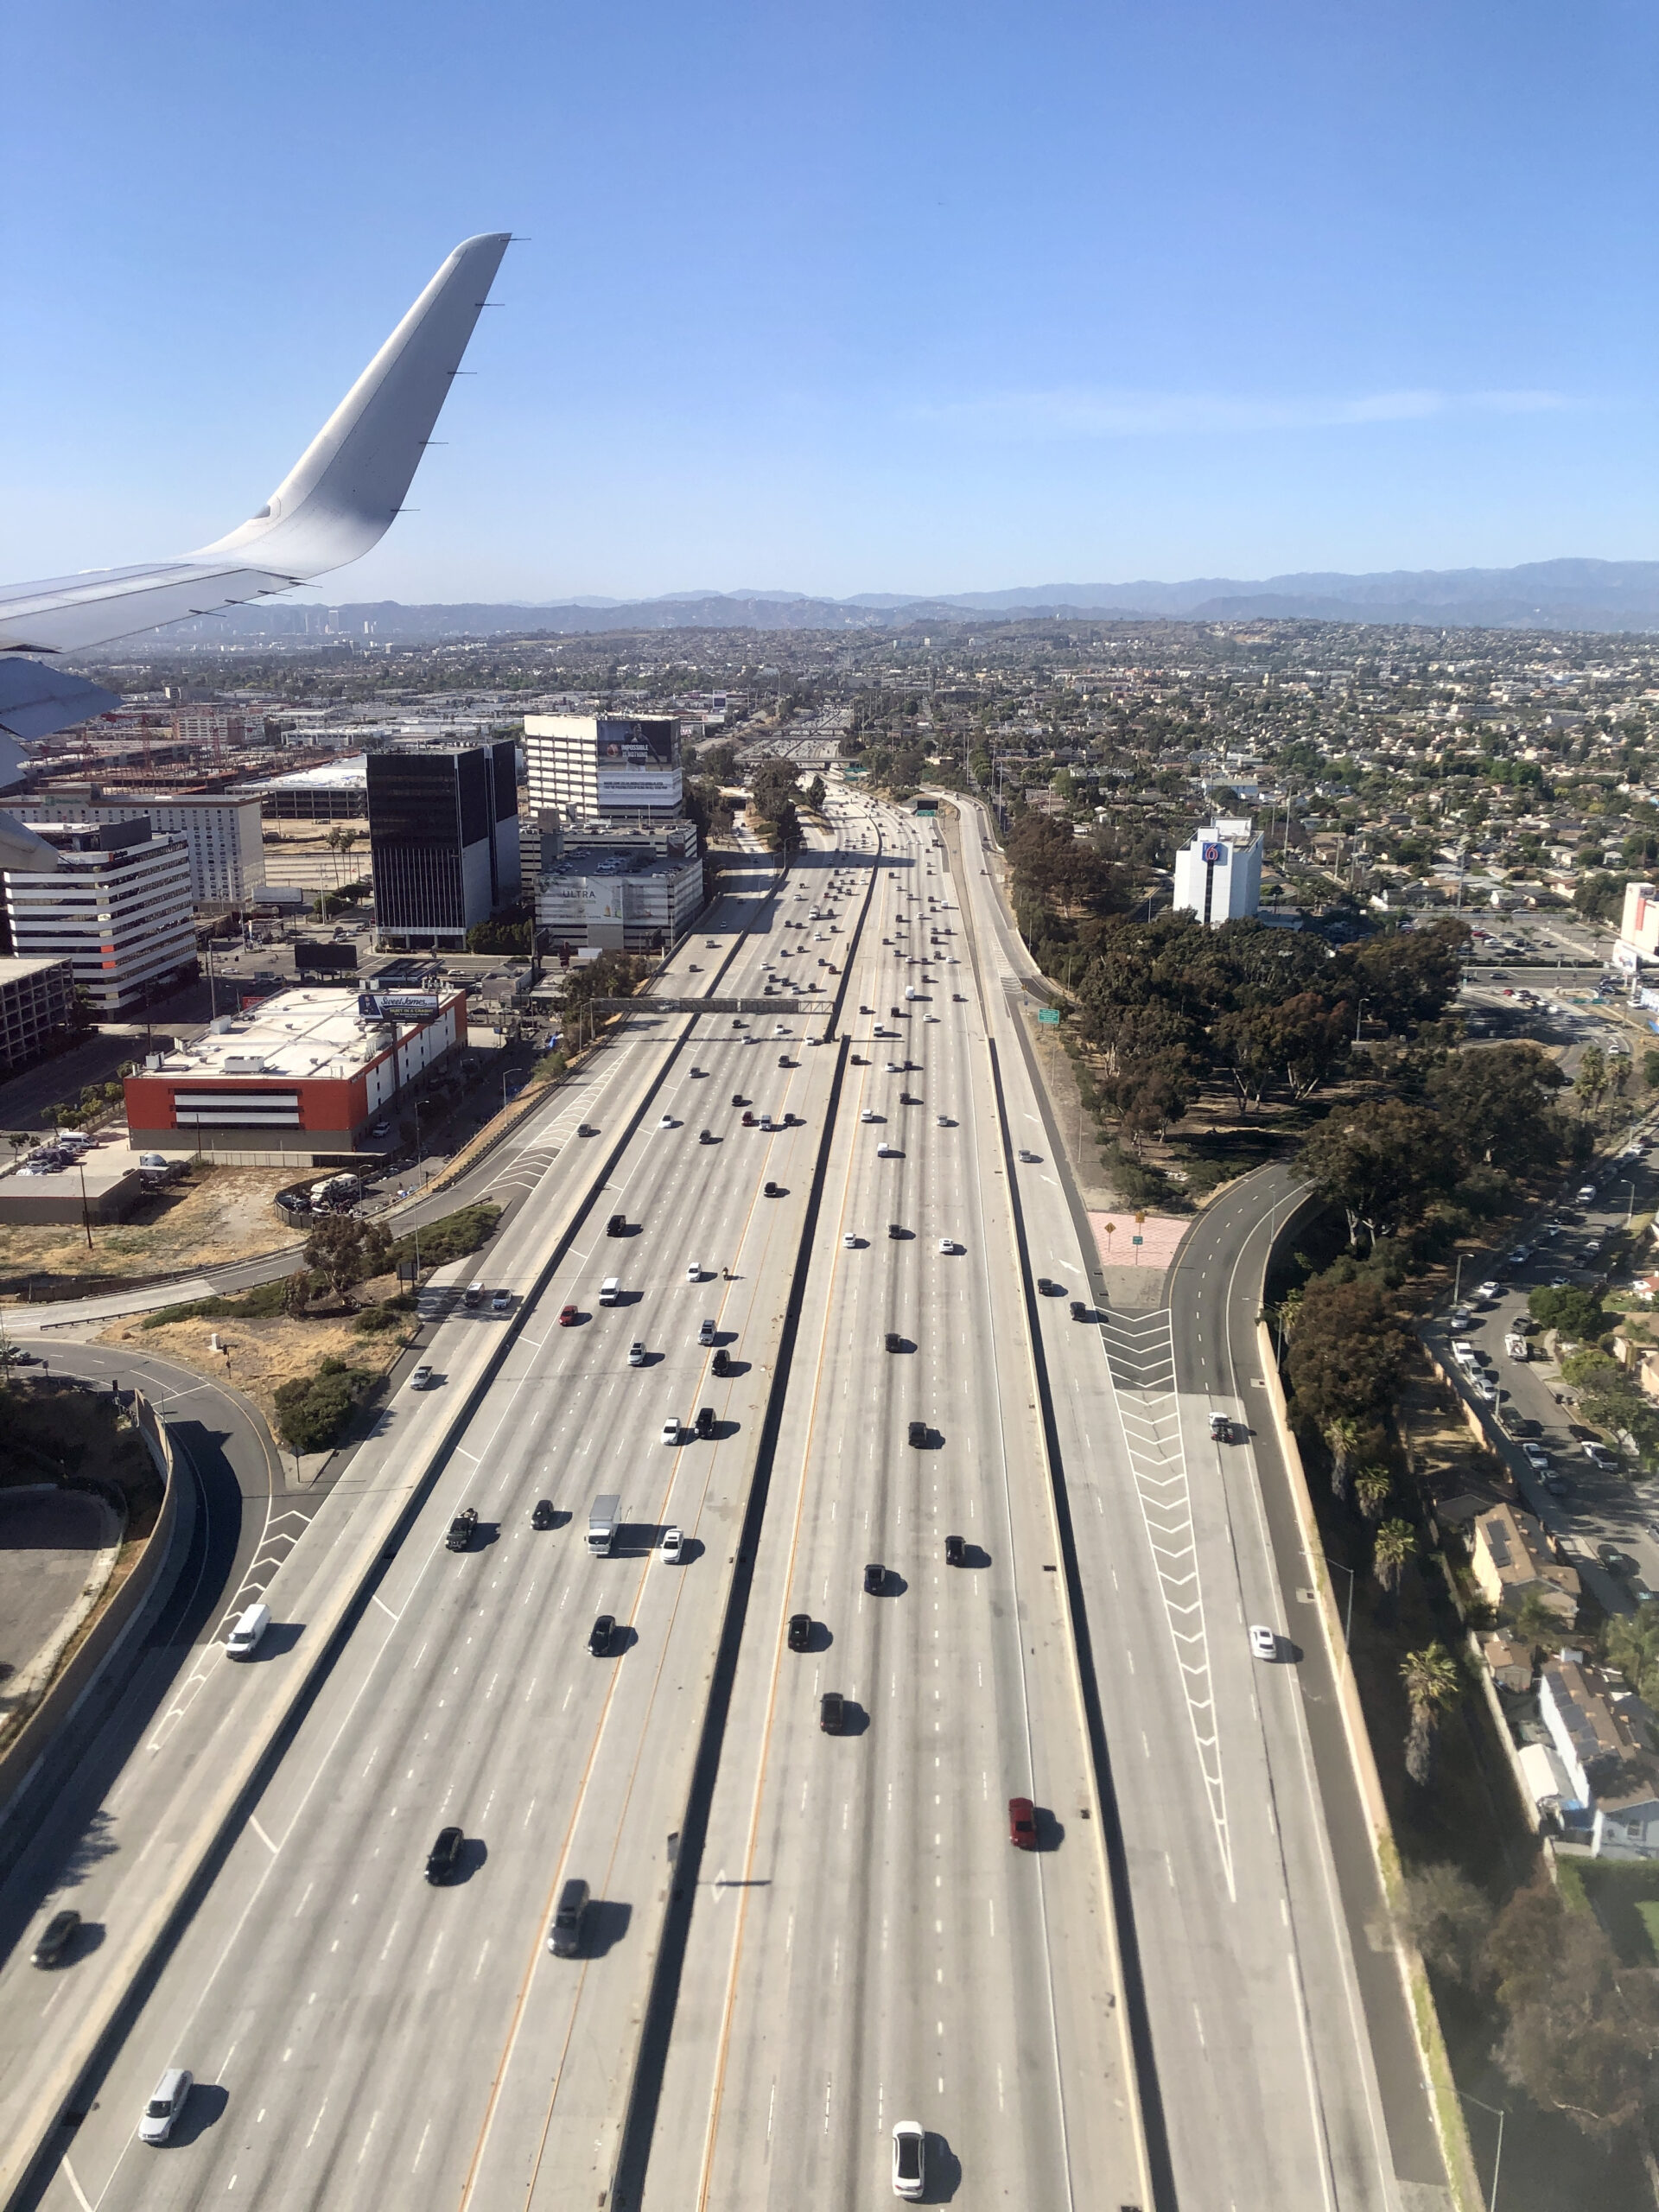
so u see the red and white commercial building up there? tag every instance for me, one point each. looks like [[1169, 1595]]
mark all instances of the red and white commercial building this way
[[298, 1079]]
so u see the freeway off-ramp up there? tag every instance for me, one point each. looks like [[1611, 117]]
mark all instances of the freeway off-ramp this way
[[839, 1935]]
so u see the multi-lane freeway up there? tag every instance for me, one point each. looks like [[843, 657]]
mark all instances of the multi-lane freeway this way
[[797, 1936]]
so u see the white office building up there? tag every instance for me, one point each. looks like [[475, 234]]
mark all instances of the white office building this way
[[221, 834], [117, 908], [1218, 875], [621, 890], [613, 764]]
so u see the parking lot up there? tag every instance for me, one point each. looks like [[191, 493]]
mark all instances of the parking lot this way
[[1606, 1513]]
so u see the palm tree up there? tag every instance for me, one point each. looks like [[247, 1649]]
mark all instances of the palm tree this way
[[1432, 1686], [1343, 1437], [1630, 1642], [1371, 1488], [1392, 1552]]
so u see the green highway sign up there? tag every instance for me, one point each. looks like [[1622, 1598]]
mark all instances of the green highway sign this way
[[1048, 1013]]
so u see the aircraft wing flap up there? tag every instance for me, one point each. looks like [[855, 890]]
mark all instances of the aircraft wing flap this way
[[65, 614]]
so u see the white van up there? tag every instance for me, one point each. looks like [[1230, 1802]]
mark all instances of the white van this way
[[249, 1627], [168, 2101], [610, 1290], [1463, 1353]]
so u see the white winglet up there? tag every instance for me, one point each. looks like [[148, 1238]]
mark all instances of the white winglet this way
[[336, 503]]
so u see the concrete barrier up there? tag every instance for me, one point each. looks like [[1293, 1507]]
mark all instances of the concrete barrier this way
[[80, 1672], [1419, 1999]]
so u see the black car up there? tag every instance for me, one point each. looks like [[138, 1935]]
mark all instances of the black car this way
[[722, 1361], [895, 1231], [738, 1099], [956, 1552], [1045, 1288], [542, 1515], [616, 1225], [894, 1342], [1080, 1310], [800, 1631], [705, 1420], [705, 1136], [444, 1856], [875, 1578], [56, 1939], [905, 1099], [832, 1712], [598, 1637], [774, 1190], [918, 1434]]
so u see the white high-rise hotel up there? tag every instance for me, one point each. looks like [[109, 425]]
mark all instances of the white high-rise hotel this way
[[1218, 876]]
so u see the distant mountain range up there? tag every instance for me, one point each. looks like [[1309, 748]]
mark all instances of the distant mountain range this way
[[1541, 595]]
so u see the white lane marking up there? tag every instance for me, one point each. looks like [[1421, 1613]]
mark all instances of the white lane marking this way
[[263, 1837]]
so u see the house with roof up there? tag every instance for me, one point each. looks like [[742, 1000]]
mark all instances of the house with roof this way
[[1513, 1558]]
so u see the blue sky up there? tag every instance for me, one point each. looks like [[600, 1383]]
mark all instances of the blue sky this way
[[908, 297]]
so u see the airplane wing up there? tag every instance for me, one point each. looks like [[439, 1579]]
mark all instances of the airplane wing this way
[[336, 502]]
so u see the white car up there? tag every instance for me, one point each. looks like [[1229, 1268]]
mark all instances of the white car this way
[[672, 1547], [851, 1240], [887, 1151], [1264, 1644], [868, 1114], [422, 1378], [171, 2095], [694, 1271], [1488, 1290], [909, 2158], [947, 1245], [635, 1354], [1537, 1457], [671, 1430], [667, 1121]]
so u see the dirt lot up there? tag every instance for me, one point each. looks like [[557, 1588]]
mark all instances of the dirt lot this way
[[215, 1214], [264, 1354]]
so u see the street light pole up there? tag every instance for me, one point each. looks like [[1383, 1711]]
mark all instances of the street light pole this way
[[1496, 2112], [1358, 1017]]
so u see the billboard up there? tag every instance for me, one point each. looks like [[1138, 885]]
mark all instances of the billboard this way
[[638, 762], [310, 955], [397, 1005]]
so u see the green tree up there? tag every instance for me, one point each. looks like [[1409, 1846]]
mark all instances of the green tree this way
[[1341, 1437], [1590, 1083], [1449, 1921], [1393, 1550], [1377, 1161], [1576, 1313], [1433, 1686], [1582, 2036], [1349, 1352], [346, 1252], [1371, 1488], [1631, 1643], [1650, 1068]]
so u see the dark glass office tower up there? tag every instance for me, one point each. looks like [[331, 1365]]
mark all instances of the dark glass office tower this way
[[443, 839]]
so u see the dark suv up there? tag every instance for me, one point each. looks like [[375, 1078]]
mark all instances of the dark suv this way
[[832, 1712], [918, 1434], [875, 1578], [444, 1856], [800, 1631]]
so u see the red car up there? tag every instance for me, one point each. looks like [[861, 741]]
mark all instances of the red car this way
[[567, 1315], [1022, 1824]]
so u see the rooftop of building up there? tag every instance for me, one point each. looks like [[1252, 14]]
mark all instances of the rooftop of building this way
[[327, 775], [13, 970], [1594, 1712], [1519, 1550], [314, 1032], [92, 844]]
